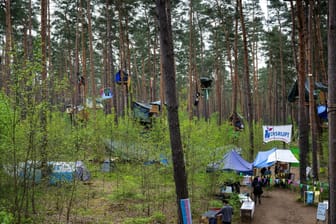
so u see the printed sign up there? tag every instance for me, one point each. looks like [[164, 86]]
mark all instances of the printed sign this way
[[277, 133], [321, 211]]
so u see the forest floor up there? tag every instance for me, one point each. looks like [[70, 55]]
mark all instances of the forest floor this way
[[281, 206]]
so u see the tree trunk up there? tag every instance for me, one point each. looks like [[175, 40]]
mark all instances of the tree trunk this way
[[247, 83], [218, 83], [109, 57], [283, 111], [332, 109], [235, 75], [5, 83], [92, 76], [312, 110], [83, 44], [191, 58], [44, 87], [320, 44], [303, 121], [166, 44]]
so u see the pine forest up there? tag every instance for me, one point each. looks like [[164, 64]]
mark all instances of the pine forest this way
[[111, 111]]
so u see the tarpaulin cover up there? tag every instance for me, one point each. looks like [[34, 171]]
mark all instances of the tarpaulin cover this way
[[282, 155], [262, 157], [232, 161], [268, 158], [322, 112]]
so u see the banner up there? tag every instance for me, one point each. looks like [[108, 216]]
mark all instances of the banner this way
[[186, 211], [277, 133]]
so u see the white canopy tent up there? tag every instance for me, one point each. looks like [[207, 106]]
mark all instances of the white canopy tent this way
[[282, 155]]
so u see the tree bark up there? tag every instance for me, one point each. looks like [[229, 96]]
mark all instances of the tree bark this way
[[332, 110], [303, 121], [5, 82], [312, 106], [43, 117], [166, 44], [247, 83], [92, 76]]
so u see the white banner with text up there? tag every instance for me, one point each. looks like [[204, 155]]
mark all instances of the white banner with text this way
[[277, 133]]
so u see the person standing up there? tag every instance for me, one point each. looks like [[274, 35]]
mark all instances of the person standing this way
[[226, 212], [257, 190]]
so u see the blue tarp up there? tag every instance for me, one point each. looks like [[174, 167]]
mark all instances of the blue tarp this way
[[322, 112], [232, 161], [261, 159]]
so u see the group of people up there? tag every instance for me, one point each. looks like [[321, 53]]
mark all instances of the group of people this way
[[227, 210], [257, 185]]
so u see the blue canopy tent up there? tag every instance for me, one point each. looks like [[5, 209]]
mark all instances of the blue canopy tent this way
[[232, 161], [262, 157]]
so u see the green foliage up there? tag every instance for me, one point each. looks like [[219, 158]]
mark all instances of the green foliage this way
[[6, 217], [157, 217], [140, 220]]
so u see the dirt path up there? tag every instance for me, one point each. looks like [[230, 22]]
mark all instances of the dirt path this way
[[280, 206]]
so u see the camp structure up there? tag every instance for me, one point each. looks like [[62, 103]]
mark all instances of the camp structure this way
[[59, 172], [282, 155], [268, 158], [121, 77], [231, 161], [67, 171], [319, 92], [144, 112], [237, 121], [123, 151], [261, 159]]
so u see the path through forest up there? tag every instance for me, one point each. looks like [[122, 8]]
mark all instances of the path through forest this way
[[280, 206]]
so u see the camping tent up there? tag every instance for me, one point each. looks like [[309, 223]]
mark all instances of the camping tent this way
[[282, 155], [66, 171], [231, 161], [261, 159], [268, 158]]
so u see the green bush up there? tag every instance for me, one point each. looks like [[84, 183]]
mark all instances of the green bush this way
[[6, 218]]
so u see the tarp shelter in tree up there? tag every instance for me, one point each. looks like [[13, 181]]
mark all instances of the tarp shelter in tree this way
[[318, 88], [237, 121], [144, 112], [322, 112], [232, 161], [121, 77], [205, 82]]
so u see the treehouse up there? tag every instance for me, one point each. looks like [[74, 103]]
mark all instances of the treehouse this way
[[144, 112], [121, 77], [237, 121], [320, 95], [206, 82]]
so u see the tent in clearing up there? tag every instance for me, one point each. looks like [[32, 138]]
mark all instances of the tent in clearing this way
[[261, 159], [231, 161], [268, 158], [282, 155]]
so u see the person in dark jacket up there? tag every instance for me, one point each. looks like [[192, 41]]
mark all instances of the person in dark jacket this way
[[257, 189], [226, 212]]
